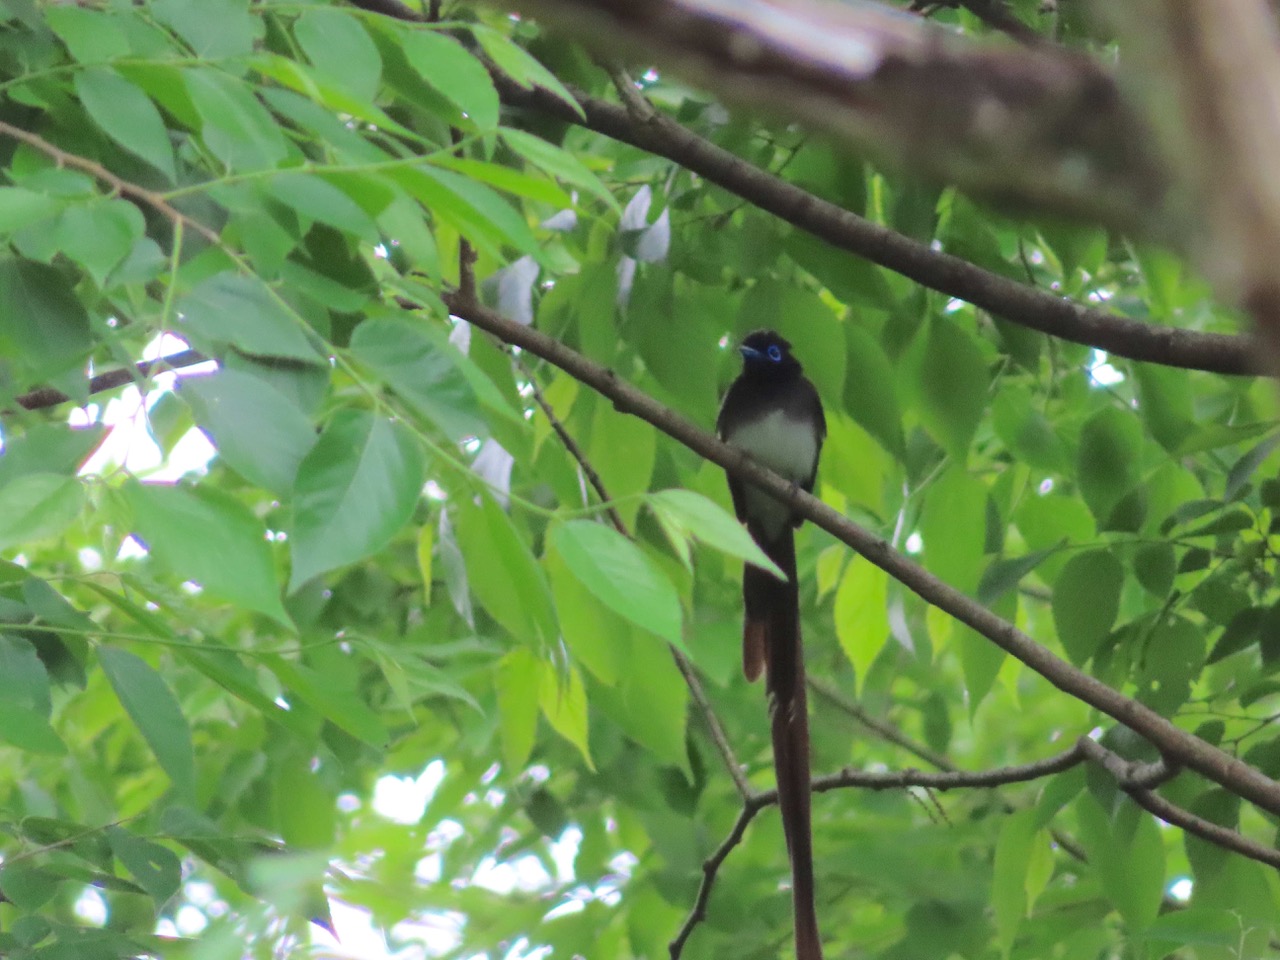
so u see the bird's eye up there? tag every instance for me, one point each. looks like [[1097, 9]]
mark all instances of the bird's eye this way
[[775, 352]]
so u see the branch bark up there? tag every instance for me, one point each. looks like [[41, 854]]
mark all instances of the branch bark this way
[[1027, 127], [48, 397], [1008, 299], [1208, 74], [1172, 742]]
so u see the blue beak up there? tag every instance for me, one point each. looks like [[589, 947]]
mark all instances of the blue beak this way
[[750, 353]]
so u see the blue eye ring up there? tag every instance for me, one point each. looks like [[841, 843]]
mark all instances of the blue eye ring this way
[[775, 353]]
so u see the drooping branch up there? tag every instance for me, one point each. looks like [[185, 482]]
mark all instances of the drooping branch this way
[[1172, 742]]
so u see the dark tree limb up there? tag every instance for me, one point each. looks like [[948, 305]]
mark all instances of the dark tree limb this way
[[1207, 73], [1018, 303], [1027, 127], [1172, 742], [48, 397], [1138, 782]]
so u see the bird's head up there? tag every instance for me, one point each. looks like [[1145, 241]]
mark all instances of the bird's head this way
[[766, 353]]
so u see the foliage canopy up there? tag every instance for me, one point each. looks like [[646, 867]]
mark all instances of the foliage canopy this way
[[398, 559]]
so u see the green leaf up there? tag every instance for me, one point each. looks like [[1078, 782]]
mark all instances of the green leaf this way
[[338, 46], [20, 208], [1127, 854], [152, 707], [419, 364], [1001, 576], [42, 323], [559, 163], [949, 380], [236, 128], [520, 65], [203, 534], [1086, 600], [259, 431], [315, 198], [503, 575], [591, 630], [1108, 460], [1027, 432], [471, 208], [622, 450], [1009, 875], [91, 36], [156, 868], [38, 506], [1176, 657], [1165, 403], [650, 702], [862, 615], [620, 575], [29, 730], [214, 28], [355, 490], [953, 526], [870, 392], [98, 235], [228, 309], [127, 116], [517, 679], [332, 697], [447, 66], [1154, 565], [705, 520], [564, 703]]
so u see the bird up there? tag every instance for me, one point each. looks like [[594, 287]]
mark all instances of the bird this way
[[773, 413]]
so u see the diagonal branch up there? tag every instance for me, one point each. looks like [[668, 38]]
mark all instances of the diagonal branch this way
[[1139, 781], [1171, 741], [1030, 127], [1008, 299], [1019, 303]]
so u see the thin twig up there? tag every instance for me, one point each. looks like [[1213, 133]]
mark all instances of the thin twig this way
[[641, 110], [882, 728], [44, 397], [102, 174], [1137, 781], [714, 727], [709, 868], [718, 736]]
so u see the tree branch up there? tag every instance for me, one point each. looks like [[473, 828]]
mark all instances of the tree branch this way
[[1015, 302], [48, 397], [1171, 741], [1019, 303], [1137, 781], [1037, 127], [1209, 76]]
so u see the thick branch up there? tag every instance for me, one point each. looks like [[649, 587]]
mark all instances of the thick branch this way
[[1208, 74], [1036, 127], [1017, 303], [1172, 742]]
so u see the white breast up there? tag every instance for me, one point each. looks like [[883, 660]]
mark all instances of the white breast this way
[[784, 446]]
